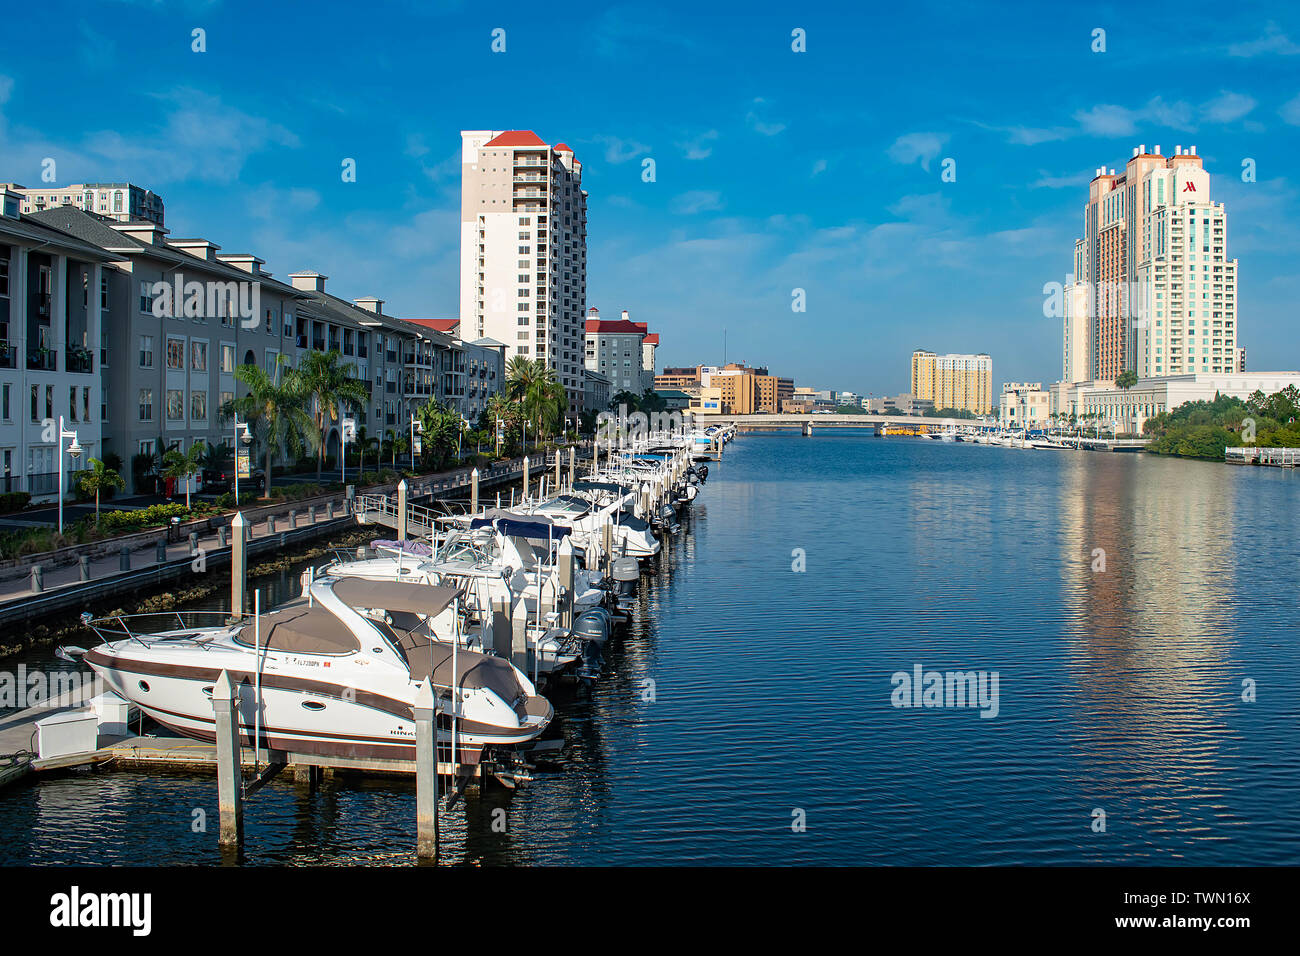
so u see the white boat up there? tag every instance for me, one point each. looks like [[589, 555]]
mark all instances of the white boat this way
[[335, 674]]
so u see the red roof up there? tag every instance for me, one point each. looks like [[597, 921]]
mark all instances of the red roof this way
[[441, 325], [615, 325], [652, 339], [563, 148], [516, 137]]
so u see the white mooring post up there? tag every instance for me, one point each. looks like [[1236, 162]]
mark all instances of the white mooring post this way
[[401, 510], [519, 636], [557, 470], [230, 802], [426, 772], [238, 565], [572, 462], [473, 492], [525, 495], [564, 560]]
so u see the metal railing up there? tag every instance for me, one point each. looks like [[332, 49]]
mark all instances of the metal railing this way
[[1283, 457]]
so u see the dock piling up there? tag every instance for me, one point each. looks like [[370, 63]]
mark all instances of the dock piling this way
[[221, 536], [525, 497], [401, 510], [473, 492], [83, 565], [124, 558], [426, 773], [238, 566], [564, 561], [194, 543], [230, 804], [38, 578], [572, 462], [161, 552], [519, 636]]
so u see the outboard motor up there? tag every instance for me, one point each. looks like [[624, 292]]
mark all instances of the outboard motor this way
[[626, 574], [593, 625]]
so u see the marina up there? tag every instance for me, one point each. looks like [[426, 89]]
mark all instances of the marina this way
[[416, 660], [1111, 694]]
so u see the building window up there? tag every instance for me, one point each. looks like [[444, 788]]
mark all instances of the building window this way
[[103, 403], [146, 404], [146, 296], [199, 356], [198, 407], [146, 351], [175, 405], [176, 353]]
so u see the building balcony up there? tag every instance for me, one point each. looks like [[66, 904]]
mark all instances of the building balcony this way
[[80, 360], [42, 360]]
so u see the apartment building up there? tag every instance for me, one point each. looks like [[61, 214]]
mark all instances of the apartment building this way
[[143, 375], [523, 277], [1024, 405], [121, 201], [1153, 289], [954, 380], [484, 368], [616, 348], [648, 346], [51, 328]]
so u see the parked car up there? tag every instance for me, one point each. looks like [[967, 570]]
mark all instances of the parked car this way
[[223, 479]]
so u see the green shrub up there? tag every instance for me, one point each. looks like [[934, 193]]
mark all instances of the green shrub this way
[[123, 522], [12, 501]]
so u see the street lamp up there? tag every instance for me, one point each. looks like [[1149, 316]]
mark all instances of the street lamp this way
[[75, 451], [247, 439]]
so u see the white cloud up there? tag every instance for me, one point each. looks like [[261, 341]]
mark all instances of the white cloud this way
[[1227, 107], [1273, 41], [819, 167], [698, 147], [756, 120], [618, 150], [1046, 181], [1290, 111], [695, 201], [913, 147]]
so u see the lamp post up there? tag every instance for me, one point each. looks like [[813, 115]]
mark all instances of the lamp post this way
[[247, 439], [75, 451]]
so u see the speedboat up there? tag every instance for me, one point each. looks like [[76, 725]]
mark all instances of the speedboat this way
[[335, 674]]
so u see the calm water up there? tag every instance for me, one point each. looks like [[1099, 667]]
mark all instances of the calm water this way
[[1119, 690]]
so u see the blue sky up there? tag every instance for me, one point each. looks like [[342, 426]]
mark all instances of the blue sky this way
[[775, 170]]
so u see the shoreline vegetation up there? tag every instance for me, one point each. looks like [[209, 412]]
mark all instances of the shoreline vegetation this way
[[1204, 429]]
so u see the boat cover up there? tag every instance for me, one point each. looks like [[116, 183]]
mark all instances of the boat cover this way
[[301, 630], [414, 596]]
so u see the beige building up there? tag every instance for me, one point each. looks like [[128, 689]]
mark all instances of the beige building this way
[[954, 380], [1126, 410], [121, 201], [1024, 405], [523, 251]]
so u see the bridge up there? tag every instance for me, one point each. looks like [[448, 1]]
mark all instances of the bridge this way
[[807, 421]]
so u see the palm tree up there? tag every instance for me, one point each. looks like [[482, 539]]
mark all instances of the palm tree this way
[[98, 477], [543, 399], [499, 408], [275, 407], [365, 443], [333, 388], [179, 464]]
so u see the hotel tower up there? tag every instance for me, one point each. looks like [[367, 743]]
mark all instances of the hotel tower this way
[[1153, 290], [523, 250]]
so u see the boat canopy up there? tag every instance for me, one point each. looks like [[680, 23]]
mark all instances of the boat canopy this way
[[516, 527], [413, 596], [301, 630], [601, 486]]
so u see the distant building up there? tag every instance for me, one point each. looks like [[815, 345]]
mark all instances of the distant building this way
[[1024, 405], [708, 401], [596, 391], [674, 401], [123, 202], [683, 379], [618, 349], [905, 404], [1128, 409], [954, 380]]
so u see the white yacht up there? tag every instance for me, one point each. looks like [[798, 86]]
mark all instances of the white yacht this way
[[333, 674]]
